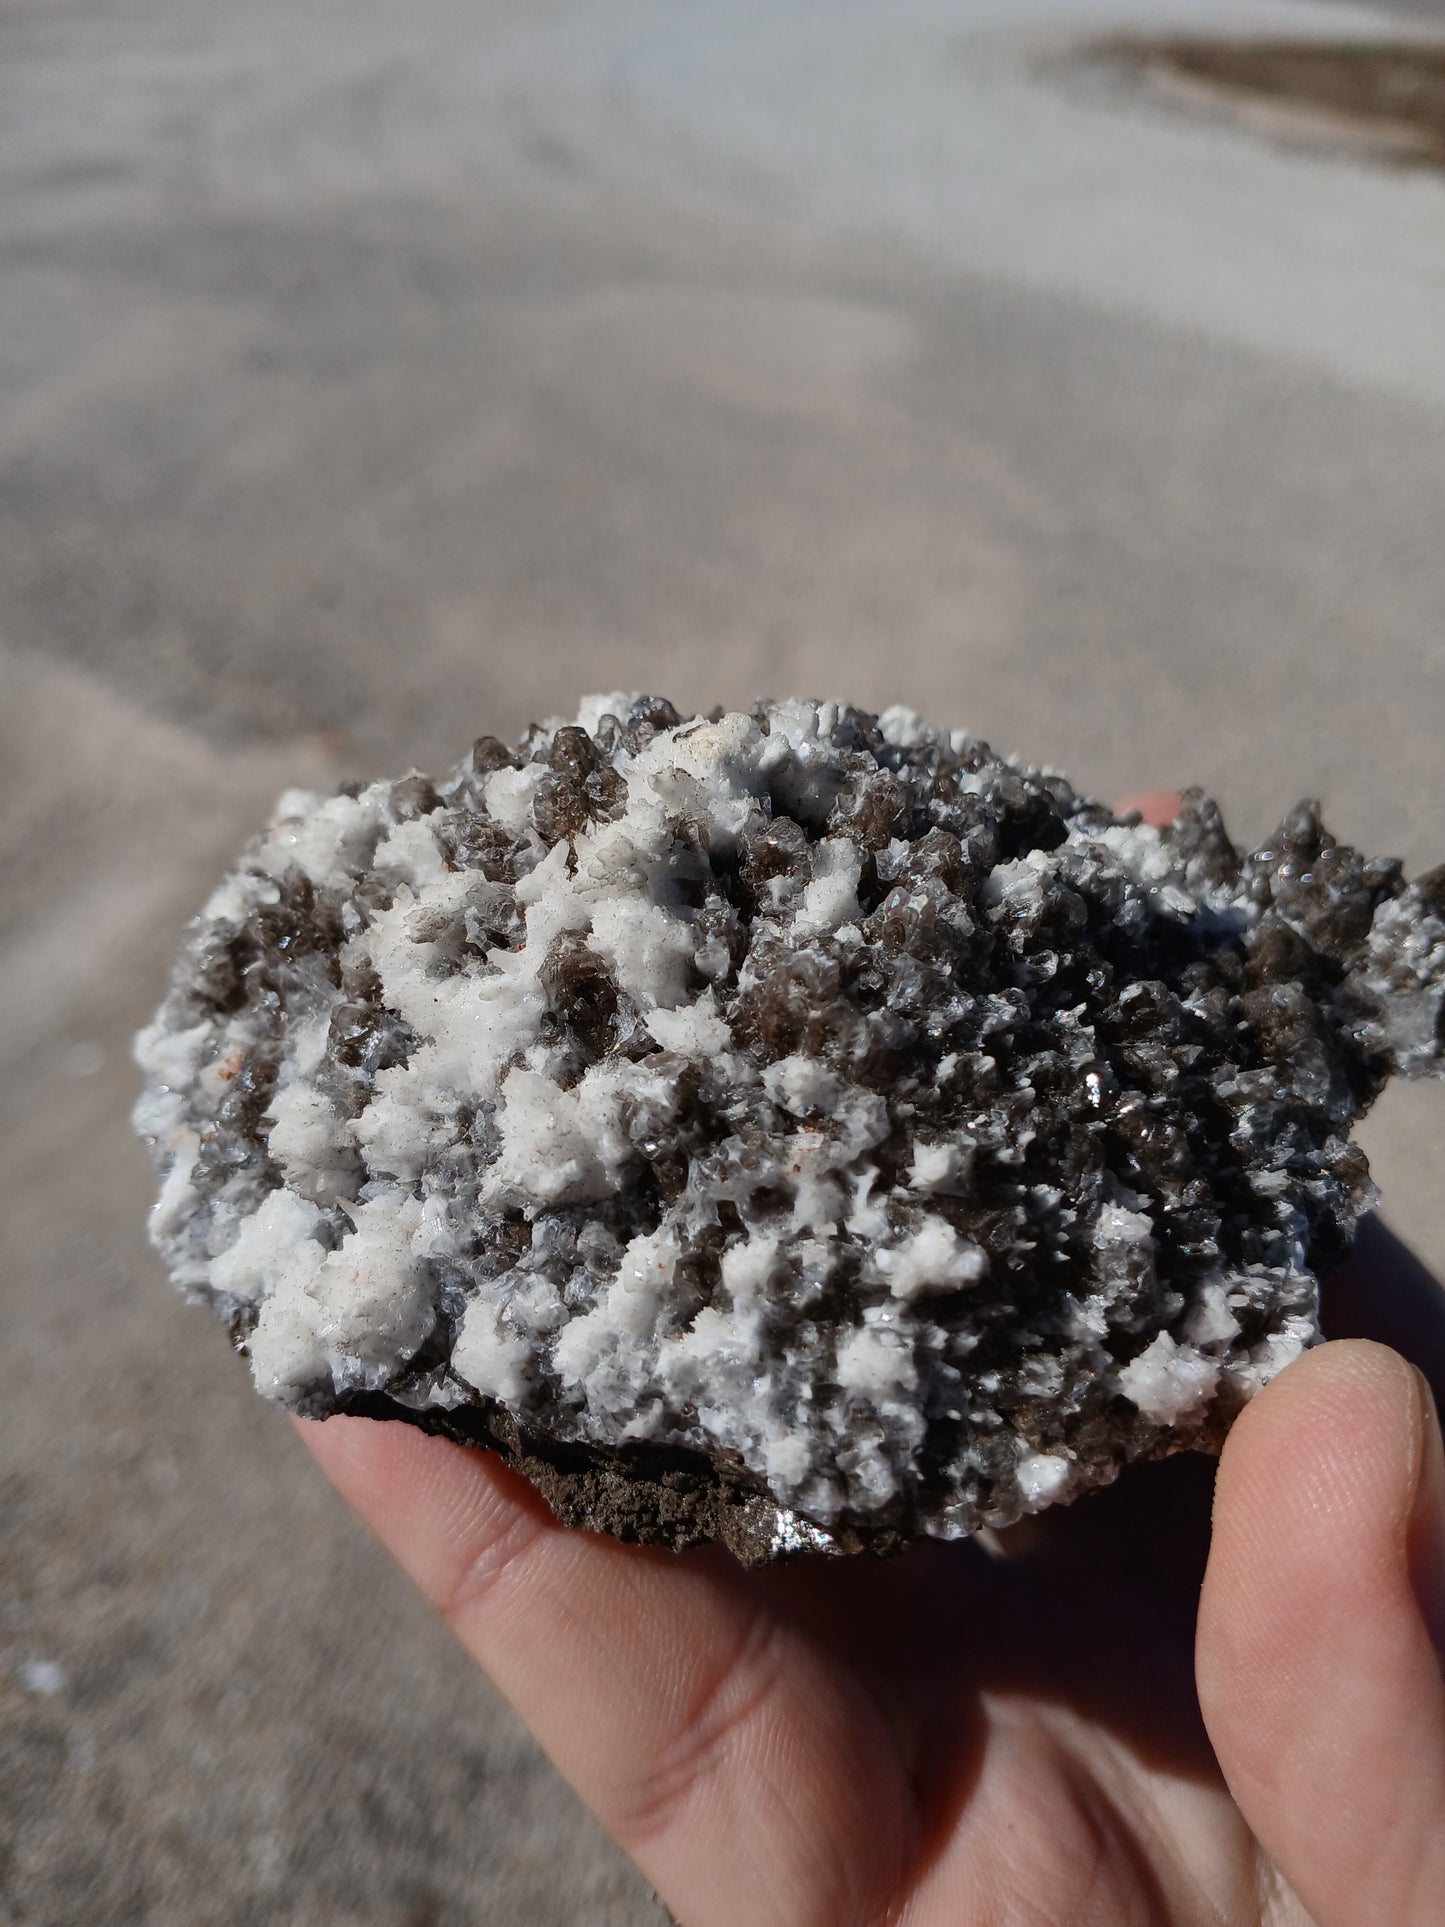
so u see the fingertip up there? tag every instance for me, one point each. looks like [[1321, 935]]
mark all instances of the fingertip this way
[[1157, 807], [1338, 1433], [434, 1504], [1316, 1673], [374, 1465], [1315, 1487]]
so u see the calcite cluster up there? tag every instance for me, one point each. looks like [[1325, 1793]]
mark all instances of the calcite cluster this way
[[798, 1127]]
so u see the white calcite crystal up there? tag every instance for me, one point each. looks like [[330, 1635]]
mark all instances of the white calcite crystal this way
[[799, 1127]]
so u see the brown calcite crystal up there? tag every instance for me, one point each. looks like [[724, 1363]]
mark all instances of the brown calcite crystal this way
[[798, 1127]]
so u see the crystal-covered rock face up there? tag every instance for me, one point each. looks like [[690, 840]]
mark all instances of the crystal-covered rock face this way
[[808, 1104]]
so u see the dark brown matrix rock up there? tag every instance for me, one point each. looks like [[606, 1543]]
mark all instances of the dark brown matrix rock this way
[[802, 1127]]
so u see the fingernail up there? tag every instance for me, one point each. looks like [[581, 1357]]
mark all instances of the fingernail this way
[[1426, 1545]]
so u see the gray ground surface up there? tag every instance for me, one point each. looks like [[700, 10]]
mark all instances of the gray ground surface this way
[[373, 376]]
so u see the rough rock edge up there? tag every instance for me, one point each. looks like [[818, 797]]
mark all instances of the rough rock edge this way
[[642, 1494], [669, 1496]]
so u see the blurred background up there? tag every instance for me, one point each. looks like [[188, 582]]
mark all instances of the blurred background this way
[[372, 376]]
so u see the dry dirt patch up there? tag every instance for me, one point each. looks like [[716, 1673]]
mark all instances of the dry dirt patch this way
[[1386, 98]]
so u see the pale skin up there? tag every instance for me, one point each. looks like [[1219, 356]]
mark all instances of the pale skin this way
[[1120, 1713]]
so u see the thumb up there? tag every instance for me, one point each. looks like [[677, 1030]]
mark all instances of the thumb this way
[[1318, 1676]]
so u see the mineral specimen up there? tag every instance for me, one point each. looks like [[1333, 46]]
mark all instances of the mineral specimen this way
[[801, 1128]]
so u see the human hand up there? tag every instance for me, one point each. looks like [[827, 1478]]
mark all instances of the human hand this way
[[1067, 1732]]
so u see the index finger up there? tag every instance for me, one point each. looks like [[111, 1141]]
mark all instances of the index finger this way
[[708, 1734]]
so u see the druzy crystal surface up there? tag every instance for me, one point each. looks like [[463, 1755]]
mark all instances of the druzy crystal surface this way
[[799, 1127]]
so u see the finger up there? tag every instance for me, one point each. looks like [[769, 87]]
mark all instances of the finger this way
[[1319, 1682], [749, 1781], [1382, 1291], [1157, 807]]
